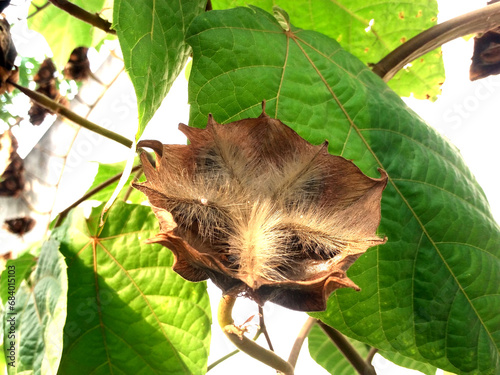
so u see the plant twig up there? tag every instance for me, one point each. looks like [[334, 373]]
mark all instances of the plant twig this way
[[299, 341], [90, 193], [237, 337], [371, 354], [48, 103], [83, 15], [480, 20], [263, 328], [351, 354]]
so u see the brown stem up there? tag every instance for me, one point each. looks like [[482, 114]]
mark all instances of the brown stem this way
[[263, 328], [480, 20], [48, 103], [90, 193], [347, 350], [297, 345], [243, 343], [83, 15]]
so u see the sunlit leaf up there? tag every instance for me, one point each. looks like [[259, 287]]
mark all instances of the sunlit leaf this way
[[104, 173], [23, 266], [151, 35], [370, 32], [128, 312], [432, 292], [34, 319], [63, 31]]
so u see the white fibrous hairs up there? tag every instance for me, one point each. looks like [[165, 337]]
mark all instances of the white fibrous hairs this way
[[256, 203]]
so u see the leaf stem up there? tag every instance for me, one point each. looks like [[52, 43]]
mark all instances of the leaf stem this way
[[299, 341], [80, 13], [70, 115], [87, 195], [351, 354], [235, 334], [480, 20]]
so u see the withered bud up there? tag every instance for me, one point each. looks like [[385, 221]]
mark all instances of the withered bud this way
[[261, 211]]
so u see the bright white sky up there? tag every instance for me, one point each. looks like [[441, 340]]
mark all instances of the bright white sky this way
[[466, 113]]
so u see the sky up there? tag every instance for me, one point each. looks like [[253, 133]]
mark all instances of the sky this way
[[465, 113]]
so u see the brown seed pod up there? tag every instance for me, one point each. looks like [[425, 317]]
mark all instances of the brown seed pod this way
[[20, 225], [46, 85], [8, 53], [11, 167], [78, 65], [261, 211]]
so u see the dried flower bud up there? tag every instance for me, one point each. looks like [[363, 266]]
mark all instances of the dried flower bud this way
[[261, 211]]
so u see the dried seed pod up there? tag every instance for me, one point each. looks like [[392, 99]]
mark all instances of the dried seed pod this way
[[20, 225], [11, 167], [46, 85], [8, 53], [261, 211], [78, 65]]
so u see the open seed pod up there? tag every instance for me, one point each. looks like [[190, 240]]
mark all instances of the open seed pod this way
[[262, 212]]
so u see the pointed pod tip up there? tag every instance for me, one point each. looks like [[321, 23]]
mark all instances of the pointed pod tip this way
[[263, 113], [211, 122]]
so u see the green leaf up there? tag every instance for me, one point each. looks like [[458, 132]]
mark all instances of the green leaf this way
[[34, 319], [151, 35], [350, 23], [63, 31], [326, 353], [128, 312], [106, 172], [22, 267], [431, 293]]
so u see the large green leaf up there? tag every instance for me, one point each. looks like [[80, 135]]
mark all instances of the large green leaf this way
[[324, 352], [128, 312], [63, 31], [432, 292], [350, 23], [34, 318], [151, 35]]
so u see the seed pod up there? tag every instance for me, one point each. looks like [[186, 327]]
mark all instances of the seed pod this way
[[261, 211], [45, 79], [78, 65], [20, 225], [8, 53]]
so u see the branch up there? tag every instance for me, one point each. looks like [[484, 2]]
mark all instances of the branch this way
[[297, 345], [243, 343], [263, 328], [70, 115], [83, 15], [351, 354], [86, 196], [480, 20]]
